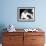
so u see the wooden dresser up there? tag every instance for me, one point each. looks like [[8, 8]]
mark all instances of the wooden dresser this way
[[23, 39]]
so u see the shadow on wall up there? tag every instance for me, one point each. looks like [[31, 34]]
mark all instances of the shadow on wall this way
[[2, 26]]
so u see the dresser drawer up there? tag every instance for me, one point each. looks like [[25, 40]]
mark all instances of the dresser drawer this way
[[37, 39], [37, 44], [34, 33], [27, 41], [13, 33], [13, 44], [12, 39]]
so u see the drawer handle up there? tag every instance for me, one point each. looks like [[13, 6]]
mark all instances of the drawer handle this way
[[10, 38], [33, 39]]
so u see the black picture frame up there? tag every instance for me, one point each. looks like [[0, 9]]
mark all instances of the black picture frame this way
[[26, 14]]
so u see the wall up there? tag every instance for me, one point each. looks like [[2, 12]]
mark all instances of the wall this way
[[8, 13]]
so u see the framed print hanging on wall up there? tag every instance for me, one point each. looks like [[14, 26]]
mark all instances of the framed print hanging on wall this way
[[26, 14]]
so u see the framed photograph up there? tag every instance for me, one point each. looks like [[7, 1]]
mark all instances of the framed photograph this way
[[26, 14]]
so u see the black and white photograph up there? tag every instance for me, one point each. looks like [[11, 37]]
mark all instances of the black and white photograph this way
[[26, 14]]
